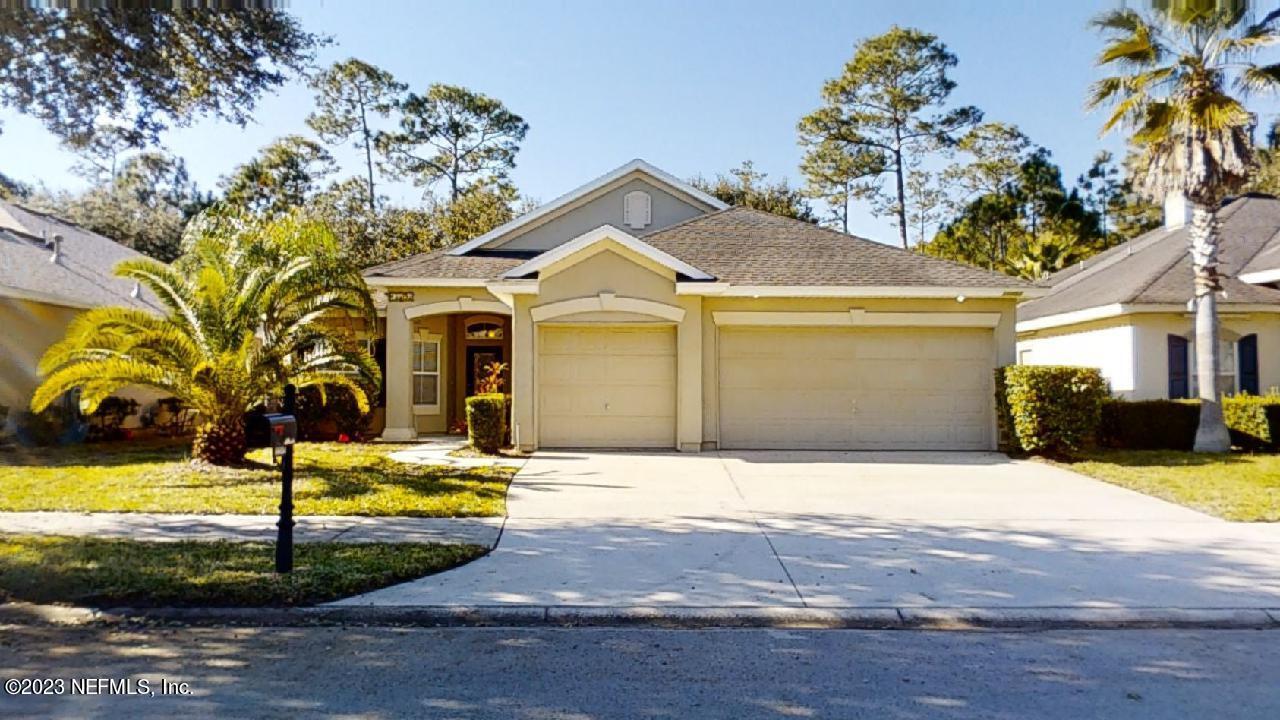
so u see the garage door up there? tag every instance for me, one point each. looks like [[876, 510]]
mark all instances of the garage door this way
[[856, 388], [607, 386]]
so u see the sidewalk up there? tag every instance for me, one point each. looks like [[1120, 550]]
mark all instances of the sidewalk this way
[[310, 529]]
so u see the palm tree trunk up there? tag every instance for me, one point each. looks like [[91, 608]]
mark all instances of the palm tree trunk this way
[[1211, 435], [220, 442]]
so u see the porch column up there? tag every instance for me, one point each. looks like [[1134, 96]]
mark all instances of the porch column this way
[[524, 432], [689, 375], [399, 425]]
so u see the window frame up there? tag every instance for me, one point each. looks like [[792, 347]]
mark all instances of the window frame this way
[[1227, 340], [426, 408]]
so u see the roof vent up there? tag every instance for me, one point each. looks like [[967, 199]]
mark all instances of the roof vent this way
[[137, 289], [57, 248], [637, 209]]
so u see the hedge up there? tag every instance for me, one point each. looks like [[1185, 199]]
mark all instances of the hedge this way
[[1254, 423], [1051, 410], [487, 421]]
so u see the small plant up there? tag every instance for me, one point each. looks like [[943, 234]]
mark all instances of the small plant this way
[[107, 421], [487, 422], [492, 379], [458, 427], [1050, 409]]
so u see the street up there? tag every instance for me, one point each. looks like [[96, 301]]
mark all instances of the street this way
[[582, 673]]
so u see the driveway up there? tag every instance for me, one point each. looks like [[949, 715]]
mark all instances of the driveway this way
[[833, 529]]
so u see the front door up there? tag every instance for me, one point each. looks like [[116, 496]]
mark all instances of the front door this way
[[479, 358]]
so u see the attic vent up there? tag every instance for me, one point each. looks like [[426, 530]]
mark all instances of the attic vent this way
[[637, 209]]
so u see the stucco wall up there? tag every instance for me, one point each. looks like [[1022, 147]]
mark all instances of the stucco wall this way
[[1107, 345], [1132, 350], [667, 209], [29, 329]]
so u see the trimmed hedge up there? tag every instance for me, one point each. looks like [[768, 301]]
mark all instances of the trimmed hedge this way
[[1051, 410], [1254, 423], [487, 421]]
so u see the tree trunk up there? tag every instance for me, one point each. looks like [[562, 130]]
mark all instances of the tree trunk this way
[[220, 442], [899, 173], [1211, 435]]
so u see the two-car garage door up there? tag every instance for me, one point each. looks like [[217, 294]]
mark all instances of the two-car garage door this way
[[856, 388]]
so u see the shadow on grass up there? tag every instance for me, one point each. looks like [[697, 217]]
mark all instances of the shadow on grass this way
[[160, 450], [1163, 458]]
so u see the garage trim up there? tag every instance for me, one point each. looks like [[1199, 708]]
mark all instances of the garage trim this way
[[606, 302], [857, 317]]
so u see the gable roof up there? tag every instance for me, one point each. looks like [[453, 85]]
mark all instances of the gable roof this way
[[601, 234], [613, 176], [82, 276], [744, 246], [1155, 268]]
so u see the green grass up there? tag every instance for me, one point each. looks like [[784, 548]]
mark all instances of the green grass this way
[[115, 572], [1237, 487], [329, 479]]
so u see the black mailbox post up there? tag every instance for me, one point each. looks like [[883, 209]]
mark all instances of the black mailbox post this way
[[284, 433]]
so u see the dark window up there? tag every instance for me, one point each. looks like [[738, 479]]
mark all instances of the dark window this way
[[1179, 385], [1247, 356]]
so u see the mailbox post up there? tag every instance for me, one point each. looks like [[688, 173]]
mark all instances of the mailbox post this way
[[284, 432]]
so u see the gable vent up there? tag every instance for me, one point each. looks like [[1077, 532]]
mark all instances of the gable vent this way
[[637, 209]]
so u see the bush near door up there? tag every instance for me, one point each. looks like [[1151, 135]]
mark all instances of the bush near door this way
[[487, 421], [1254, 423], [1049, 409]]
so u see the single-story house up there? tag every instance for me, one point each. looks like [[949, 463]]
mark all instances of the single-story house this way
[[637, 311], [1127, 310], [51, 271]]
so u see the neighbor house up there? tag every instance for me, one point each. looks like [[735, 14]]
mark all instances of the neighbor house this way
[[1127, 310], [51, 271], [639, 311]]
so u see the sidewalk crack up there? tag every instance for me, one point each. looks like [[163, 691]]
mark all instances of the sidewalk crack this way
[[755, 518]]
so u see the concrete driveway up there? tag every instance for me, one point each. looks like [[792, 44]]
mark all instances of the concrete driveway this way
[[841, 530]]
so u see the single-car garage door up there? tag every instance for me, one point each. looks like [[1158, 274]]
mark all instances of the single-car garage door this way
[[856, 388], [607, 386]]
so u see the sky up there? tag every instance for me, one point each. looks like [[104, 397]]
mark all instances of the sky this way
[[694, 87]]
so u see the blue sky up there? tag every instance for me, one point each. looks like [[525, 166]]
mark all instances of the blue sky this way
[[693, 87]]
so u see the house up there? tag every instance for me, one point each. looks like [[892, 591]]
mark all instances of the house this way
[[637, 311], [51, 271], [1127, 310]]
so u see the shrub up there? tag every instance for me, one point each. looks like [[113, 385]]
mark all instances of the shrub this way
[[1254, 421], [1049, 409], [487, 421], [1149, 424], [329, 416], [58, 424]]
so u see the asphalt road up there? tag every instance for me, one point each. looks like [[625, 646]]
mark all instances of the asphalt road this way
[[579, 674]]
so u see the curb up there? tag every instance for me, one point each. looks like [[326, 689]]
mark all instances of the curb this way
[[863, 618]]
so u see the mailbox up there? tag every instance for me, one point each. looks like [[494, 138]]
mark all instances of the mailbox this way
[[284, 432]]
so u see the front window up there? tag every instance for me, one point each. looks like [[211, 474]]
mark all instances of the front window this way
[[1227, 384], [426, 372]]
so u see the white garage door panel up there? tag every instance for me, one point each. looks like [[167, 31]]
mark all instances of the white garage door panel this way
[[856, 388], [606, 386]]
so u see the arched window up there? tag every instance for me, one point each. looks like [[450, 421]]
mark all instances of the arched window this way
[[484, 330]]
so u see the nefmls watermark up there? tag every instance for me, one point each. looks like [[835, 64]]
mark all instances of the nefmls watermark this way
[[155, 5], [87, 686]]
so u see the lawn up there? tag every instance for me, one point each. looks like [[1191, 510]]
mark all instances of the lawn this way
[[329, 479], [1234, 487], [104, 573]]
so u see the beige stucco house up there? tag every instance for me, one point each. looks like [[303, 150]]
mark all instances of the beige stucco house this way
[[50, 272], [638, 311], [1126, 310]]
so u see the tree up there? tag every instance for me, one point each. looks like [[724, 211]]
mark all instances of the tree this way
[[836, 175], [1175, 71], [243, 317], [12, 189], [1106, 189], [480, 209], [996, 153], [881, 116], [283, 176], [346, 95], [147, 68], [744, 186], [144, 206], [370, 237], [454, 135]]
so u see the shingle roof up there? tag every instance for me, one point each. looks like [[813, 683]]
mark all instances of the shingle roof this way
[[752, 247], [82, 275], [440, 264], [1155, 268]]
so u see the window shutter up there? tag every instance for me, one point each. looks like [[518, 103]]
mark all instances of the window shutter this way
[[1179, 381], [1247, 357]]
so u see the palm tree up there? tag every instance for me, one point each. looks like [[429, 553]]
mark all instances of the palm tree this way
[[1178, 68], [248, 308]]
